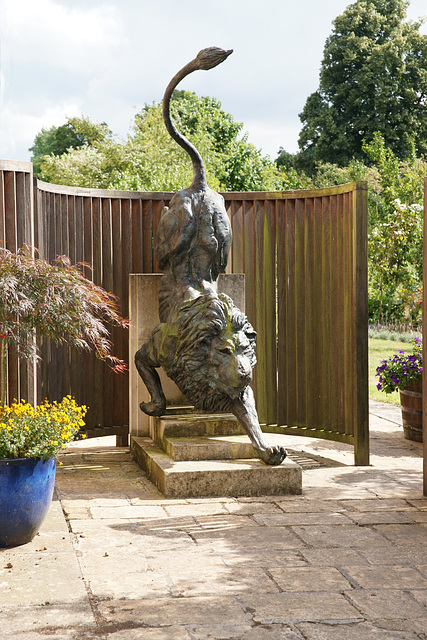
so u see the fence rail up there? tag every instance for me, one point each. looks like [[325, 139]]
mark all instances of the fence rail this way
[[304, 254]]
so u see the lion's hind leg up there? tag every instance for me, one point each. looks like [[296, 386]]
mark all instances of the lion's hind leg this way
[[146, 367]]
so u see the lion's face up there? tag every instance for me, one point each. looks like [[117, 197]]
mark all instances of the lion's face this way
[[232, 357]]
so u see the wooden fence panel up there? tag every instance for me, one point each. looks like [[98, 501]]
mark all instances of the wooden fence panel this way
[[304, 255], [320, 248]]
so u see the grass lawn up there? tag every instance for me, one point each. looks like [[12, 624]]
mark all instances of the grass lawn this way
[[380, 350]]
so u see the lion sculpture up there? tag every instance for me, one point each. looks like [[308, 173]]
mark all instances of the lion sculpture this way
[[207, 347], [204, 343]]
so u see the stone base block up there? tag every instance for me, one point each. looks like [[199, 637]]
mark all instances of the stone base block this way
[[210, 448], [210, 478], [192, 424]]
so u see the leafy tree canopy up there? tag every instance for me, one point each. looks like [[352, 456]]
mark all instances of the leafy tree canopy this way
[[149, 160], [373, 77], [58, 140]]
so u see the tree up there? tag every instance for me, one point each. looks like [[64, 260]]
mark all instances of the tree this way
[[149, 160], [56, 140], [396, 234], [373, 77]]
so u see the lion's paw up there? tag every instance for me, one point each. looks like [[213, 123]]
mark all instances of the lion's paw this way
[[273, 455], [153, 408]]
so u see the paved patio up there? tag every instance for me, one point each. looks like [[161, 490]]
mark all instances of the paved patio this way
[[347, 560]]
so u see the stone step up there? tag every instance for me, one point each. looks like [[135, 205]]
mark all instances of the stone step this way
[[209, 448], [193, 425], [202, 478]]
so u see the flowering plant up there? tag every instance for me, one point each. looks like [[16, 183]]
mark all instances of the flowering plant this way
[[39, 432], [401, 369]]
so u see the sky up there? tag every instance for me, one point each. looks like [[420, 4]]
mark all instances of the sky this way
[[105, 59]]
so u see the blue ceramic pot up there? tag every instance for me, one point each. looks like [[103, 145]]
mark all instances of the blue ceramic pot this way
[[26, 489]]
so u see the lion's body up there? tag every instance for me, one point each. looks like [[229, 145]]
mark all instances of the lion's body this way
[[192, 245]]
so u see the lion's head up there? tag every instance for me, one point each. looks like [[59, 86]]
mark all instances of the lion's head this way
[[208, 348]]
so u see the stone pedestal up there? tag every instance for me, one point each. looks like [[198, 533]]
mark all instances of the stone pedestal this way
[[191, 455], [187, 453]]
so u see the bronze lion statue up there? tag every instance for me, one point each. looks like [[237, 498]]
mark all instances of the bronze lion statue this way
[[204, 343], [207, 347]]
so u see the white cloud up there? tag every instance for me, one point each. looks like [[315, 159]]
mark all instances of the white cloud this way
[[271, 136], [106, 58], [18, 129], [77, 39]]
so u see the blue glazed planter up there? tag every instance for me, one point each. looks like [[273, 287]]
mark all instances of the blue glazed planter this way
[[26, 489]]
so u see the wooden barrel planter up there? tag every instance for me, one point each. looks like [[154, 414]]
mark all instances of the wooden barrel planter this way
[[411, 404]]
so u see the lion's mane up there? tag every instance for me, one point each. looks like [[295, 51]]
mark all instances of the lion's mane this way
[[183, 346]]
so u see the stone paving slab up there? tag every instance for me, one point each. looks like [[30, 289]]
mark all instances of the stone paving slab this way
[[272, 632], [283, 607], [115, 560], [47, 622], [165, 612], [386, 603], [358, 631]]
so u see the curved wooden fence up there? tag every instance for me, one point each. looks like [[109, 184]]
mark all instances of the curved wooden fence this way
[[304, 254]]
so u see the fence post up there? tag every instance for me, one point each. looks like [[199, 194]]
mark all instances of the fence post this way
[[360, 238], [425, 342]]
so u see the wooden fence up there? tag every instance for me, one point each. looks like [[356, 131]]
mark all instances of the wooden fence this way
[[304, 254]]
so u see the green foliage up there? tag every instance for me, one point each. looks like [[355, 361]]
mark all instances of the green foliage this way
[[56, 141], [55, 301], [392, 335], [149, 160], [396, 234], [373, 78], [39, 432], [395, 250]]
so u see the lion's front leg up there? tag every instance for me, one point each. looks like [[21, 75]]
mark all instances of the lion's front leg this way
[[244, 410], [148, 373]]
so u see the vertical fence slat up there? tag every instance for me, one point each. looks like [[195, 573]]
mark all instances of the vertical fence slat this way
[[259, 323], [137, 245], [310, 343], [319, 391], [291, 334], [237, 257], [360, 288], [10, 210], [117, 286], [282, 305], [96, 404], [107, 284], [250, 272], [270, 312], [147, 264], [425, 340]]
